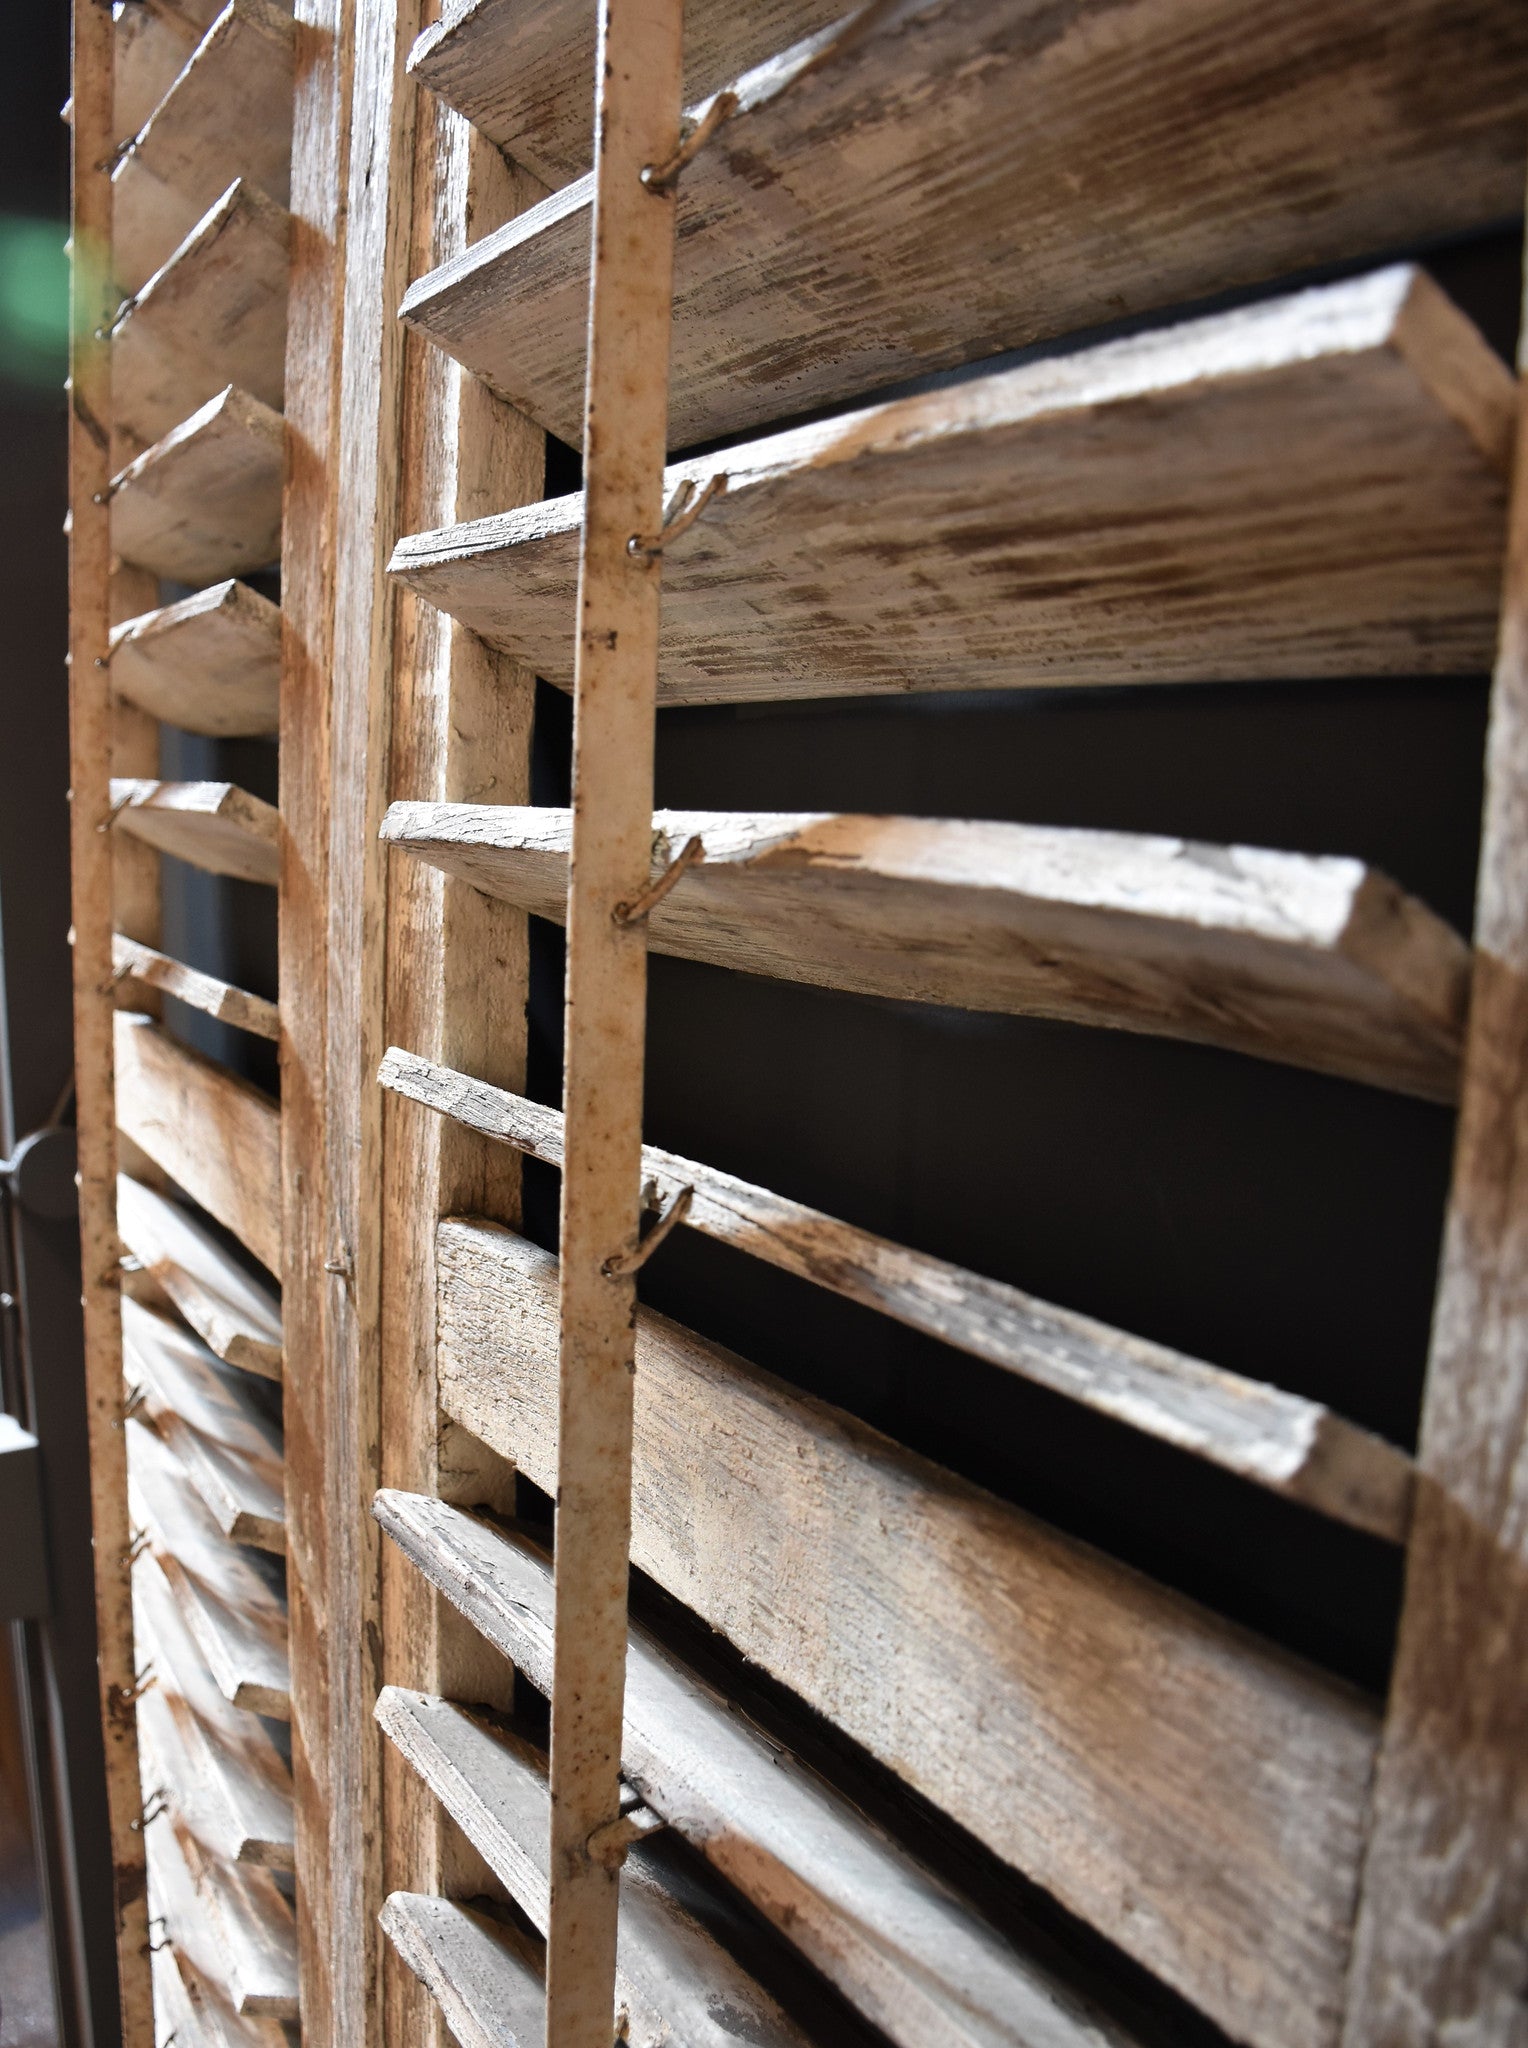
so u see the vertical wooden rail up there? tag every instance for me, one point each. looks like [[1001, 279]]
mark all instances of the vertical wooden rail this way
[[90, 753], [1441, 1951], [637, 108]]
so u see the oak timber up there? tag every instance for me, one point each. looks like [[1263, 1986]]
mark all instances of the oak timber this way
[[483, 1976], [209, 663], [972, 175], [896, 1941], [205, 501], [146, 967], [1314, 486], [214, 314], [1282, 1441], [520, 69], [1440, 1949], [637, 99], [213, 825], [229, 1920], [674, 1981], [1320, 962], [227, 1445], [228, 115], [236, 1316], [237, 1795], [225, 1600], [214, 1134], [1132, 1753]]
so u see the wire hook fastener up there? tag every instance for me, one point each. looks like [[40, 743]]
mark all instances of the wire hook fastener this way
[[689, 855], [118, 805], [665, 176], [143, 1681], [158, 1803], [608, 1844], [683, 509], [135, 1549], [620, 1265]]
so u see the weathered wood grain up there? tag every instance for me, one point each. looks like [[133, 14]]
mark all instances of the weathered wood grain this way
[[199, 2010], [1282, 1441], [1132, 1753], [236, 1620], [213, 825], [899, 1944], [209, 663], [637, 79], [148, 47], [1441, 1949], [214, 1134], [1320, 962], [205, 501], [236, 1316], [93, 44], [971, 175], [483, 1976], [233, 1790], [674, 1981], [520, 70], [227, 115], [143, 967], [1314, 486], [214, 314], [229, 1920], [227, 1446]]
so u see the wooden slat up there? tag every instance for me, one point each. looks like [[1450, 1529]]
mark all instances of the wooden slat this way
[[1439, 1945], [1129, 1751], [520, 69], [1310, 487], [228, 1447], [236, 1791], [213, 315], [637, 76], [205, 501], [149, 45], [229, 1920], [213, 825], [228, 115], [1282, 1441], [236, 1316], [214, 1134], [1320, 962], [199, 2013], [957, 180], [209, 663], [138, 967], [484, 1977], [238, 1623], [902, 1947], [674, 1981]]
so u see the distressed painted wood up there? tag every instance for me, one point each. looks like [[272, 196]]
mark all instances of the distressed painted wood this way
[[213, 825], [1313, 486], [228, 115], [947, 178], [229, 1920], [205, 501], [1441, 1949], [232, 1787], [143, 967], [1282, 1441], [93, 44], [1320, 962], [520, 69], [225, 1599], [214, 1134], [199, 2012], [209, 663], [484, 1977], [674, 1981], [214, 314], [228, 1447], [236, 1316], [637, 77], [972, 1650]]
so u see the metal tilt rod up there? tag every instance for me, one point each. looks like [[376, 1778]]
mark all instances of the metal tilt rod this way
[[637, 114]]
